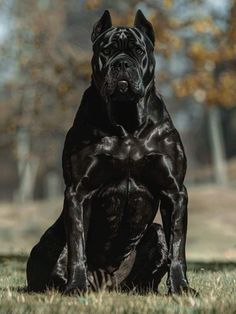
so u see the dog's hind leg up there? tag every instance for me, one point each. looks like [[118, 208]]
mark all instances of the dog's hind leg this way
[[150, 263], [44, 262]]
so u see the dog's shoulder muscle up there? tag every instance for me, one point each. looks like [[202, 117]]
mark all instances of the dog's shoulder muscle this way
[[83, 131]]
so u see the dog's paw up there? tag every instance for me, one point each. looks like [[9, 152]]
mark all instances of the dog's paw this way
[[180, 290], [71, 289]]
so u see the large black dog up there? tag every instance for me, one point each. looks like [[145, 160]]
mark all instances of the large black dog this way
[[122, 159]]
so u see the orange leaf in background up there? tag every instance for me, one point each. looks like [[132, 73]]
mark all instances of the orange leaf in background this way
[[227, 88], [196, 49], [205, 26], [126, 19], [168, 4], [63, 88], [92, 4]]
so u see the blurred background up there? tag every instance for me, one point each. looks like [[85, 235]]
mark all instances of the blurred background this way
[[45, 51]]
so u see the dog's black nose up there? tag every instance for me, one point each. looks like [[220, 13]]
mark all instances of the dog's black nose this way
[[122, 64], [123, 86]]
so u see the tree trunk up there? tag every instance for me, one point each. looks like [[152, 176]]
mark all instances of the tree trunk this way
[[52, 184], [27, 167], [217, 146]]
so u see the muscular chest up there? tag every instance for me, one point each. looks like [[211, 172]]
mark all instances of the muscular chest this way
[[147, 160], [129, 149]]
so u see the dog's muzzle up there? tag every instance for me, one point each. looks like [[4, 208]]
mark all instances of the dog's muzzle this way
[[123, 81], [123, 86]]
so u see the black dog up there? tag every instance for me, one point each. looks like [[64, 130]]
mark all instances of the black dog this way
[[122, 159]]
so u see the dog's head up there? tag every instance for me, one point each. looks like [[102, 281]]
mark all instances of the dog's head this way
[[123, 62]]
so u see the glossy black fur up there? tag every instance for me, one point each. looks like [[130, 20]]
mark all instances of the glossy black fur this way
[[123, 159]]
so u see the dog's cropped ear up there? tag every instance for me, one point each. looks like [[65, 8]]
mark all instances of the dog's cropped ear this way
[[102, 25], [144, 26]]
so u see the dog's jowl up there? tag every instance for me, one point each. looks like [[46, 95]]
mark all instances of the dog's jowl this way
[[122, 160]]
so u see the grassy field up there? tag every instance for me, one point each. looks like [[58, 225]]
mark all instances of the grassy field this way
[[211, 252], [216, 283]]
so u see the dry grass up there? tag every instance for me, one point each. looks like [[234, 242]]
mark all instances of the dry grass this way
[[215, 282]]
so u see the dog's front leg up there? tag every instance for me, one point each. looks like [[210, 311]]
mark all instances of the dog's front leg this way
[[75, 232], [174, 216]]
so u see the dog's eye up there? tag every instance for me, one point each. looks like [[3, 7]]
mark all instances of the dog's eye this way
[[106, 51], [140, 51]]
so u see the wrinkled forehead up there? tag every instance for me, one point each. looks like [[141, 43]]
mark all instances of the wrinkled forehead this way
[[123, 35]]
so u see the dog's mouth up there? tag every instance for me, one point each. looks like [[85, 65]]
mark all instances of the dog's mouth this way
[[123, 106], [123, 86], [122, 90]]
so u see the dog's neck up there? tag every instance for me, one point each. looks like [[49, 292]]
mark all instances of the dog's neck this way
[[126, 117]]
